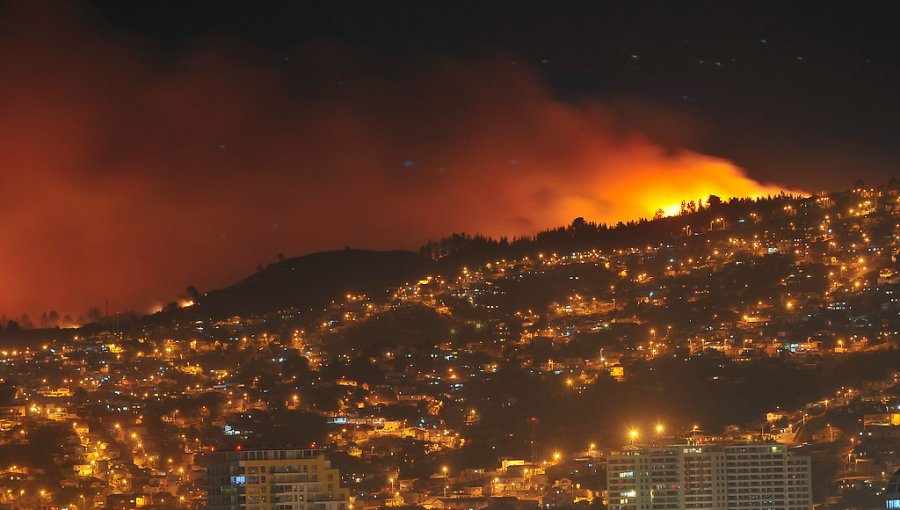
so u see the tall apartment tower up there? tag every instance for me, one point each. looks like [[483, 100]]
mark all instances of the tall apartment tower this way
[[738, 476], [289, 479], [892, 494]]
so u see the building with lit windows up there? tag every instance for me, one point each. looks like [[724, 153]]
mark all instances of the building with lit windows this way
[[272, 479], [892, 494], [733, 476]]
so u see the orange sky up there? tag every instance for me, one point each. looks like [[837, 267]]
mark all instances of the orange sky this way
[[128, 178]]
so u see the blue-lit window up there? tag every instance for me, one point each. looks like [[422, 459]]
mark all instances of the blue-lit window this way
[[892, 503]]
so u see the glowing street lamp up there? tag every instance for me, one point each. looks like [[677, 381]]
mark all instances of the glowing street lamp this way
[[633, 434]]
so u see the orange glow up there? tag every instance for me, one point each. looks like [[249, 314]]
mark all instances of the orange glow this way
[[132, 182], [650, 180]]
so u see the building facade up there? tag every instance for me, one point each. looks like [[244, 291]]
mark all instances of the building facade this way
[[272, 479], [892, 494], [709, 477]]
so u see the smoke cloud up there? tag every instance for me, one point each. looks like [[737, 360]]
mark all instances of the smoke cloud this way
[[128, 176]]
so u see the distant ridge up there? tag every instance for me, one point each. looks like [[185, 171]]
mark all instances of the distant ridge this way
[[314, 280]]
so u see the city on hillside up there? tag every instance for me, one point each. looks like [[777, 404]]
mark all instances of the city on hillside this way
[[738, 354]]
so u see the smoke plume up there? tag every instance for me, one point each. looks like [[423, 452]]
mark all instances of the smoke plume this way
[[127, 175]]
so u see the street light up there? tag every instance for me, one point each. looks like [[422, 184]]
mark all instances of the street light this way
[[633, 434]]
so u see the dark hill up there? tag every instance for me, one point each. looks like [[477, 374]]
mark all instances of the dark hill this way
[[314, 280]]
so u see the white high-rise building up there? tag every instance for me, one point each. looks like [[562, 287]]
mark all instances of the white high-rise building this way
[[272, 479], [733, 476]]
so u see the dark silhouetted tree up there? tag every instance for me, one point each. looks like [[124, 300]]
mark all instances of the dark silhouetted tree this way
[[94, 314], [192, 293], [13, 327]]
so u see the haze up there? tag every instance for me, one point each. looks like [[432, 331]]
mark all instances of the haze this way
[[128, 176]]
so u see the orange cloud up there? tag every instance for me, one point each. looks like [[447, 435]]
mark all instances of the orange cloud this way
[[128, 178]]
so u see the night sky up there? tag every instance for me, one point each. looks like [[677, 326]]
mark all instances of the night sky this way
[[146, 146]]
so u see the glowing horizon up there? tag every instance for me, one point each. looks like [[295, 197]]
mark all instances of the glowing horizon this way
[[151, 181]]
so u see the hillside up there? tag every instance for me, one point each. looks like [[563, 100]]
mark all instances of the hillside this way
[[313, 280]]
